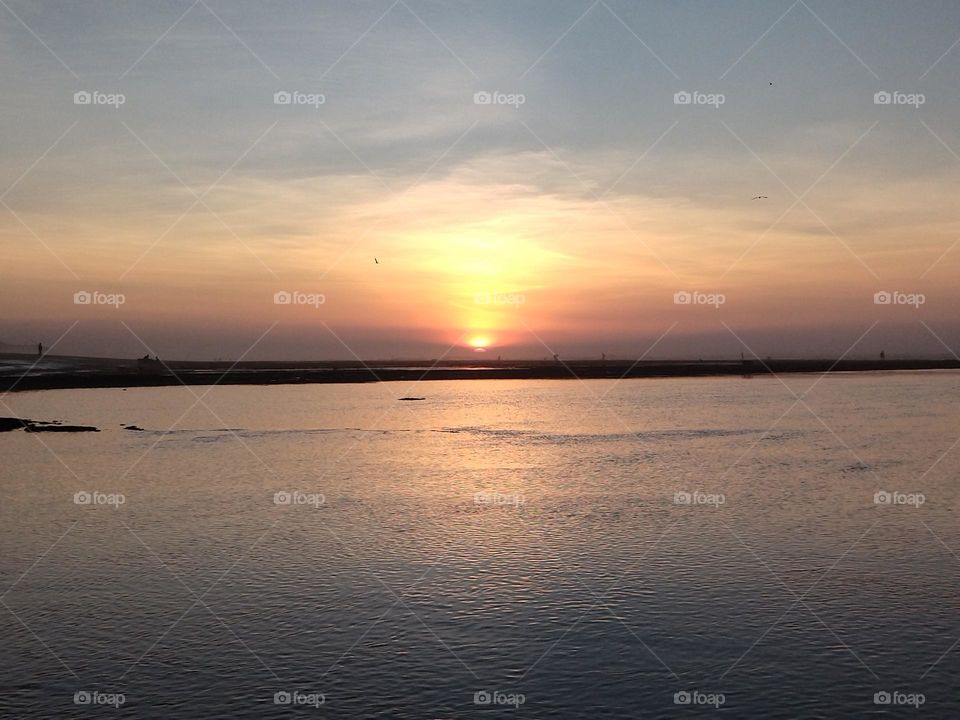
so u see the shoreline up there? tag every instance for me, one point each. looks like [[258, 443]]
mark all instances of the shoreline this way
[[63, 373]]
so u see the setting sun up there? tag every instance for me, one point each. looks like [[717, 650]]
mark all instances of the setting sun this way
[[479, 343]]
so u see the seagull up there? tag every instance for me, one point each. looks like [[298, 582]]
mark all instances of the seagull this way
[[761, 197]]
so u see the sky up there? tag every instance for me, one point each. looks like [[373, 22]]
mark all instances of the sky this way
[[426, 179]]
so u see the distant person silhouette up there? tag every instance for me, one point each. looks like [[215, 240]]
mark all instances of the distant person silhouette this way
[[883, 355], [39, 349]]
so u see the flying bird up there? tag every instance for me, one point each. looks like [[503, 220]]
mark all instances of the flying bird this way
[[377, 262], [761, 197]]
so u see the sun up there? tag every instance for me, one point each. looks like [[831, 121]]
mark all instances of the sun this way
[[479, 343]]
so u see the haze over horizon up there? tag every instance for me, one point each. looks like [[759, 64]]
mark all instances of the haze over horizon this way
[[417, 179]]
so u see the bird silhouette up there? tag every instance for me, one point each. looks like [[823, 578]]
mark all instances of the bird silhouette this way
[[377, 262], [761, 197]]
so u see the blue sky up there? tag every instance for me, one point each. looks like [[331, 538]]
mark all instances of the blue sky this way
[[597, 198]]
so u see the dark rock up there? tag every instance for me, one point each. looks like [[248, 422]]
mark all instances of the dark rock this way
[[7, 424]]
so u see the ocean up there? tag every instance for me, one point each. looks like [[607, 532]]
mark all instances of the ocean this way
[[755, 547]]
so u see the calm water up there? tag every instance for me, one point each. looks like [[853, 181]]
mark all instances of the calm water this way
[[529, 540]]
